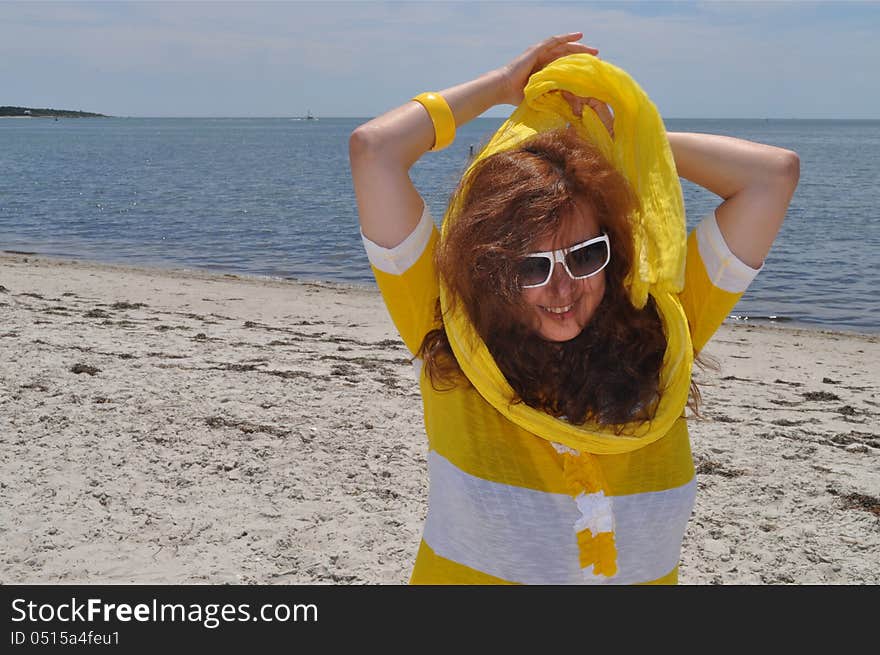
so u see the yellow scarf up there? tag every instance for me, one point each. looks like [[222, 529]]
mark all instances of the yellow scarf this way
[[640, 151]]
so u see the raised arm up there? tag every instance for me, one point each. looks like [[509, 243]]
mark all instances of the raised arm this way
[[382, 150], [756, 182]]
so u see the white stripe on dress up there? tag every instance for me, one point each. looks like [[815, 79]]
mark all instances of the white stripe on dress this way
[[524, 535]]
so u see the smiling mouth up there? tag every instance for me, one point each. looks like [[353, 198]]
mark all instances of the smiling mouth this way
[[557, 310]]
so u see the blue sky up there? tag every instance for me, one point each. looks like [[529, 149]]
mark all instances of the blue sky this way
[[737, 59]]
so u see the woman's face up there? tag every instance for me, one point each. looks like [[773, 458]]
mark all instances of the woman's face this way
[[563, 307]]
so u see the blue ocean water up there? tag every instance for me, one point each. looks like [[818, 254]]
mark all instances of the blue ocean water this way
[[273, 197]]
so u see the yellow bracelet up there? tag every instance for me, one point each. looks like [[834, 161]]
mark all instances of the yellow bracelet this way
[[441, 116]]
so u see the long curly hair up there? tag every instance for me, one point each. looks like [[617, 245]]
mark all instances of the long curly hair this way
[[610, 372]]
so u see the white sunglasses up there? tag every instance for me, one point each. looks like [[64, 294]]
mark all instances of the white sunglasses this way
[[582, 260]]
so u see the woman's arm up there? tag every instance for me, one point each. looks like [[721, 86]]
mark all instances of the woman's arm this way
[[756, 182], [382, 150]]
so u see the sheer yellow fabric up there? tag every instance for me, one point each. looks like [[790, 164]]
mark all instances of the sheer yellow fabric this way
[[640, 151]]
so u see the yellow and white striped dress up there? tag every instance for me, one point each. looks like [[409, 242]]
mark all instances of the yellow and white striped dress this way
[[503, 506]]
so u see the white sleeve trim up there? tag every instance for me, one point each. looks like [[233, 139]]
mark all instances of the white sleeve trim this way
[[400, 258], [725, 270]]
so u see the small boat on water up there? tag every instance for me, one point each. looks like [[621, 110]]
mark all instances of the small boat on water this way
[[308, 117]]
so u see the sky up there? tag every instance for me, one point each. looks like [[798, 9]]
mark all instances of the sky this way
[[733, 59]]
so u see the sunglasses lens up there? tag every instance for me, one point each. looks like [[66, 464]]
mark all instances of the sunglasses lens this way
[[533, 270], [588, 260]]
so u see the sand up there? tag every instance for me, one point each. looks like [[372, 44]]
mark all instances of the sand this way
[[172, 426]]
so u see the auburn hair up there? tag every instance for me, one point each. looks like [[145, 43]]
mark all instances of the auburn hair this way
[[610, 372]]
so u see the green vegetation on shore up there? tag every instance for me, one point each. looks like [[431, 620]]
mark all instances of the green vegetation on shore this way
[[47, 113]]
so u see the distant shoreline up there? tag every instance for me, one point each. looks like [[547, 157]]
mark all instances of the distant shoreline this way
[[57, 116], [36, 112], [53, 116]]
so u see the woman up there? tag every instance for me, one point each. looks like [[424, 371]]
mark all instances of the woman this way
[[554, 333]]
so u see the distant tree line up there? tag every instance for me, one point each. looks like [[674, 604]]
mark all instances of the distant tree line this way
[[44, 113]]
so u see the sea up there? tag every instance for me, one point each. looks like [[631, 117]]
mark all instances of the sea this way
[[273, 197]]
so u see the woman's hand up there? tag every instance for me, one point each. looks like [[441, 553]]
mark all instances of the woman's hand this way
[[516, 74], [602, 110]]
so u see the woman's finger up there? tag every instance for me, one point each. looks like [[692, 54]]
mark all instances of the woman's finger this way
[[568, 45], [603, 112], [564, 42], [552, 42], [569, 49], [563, 49], [576, 103], [599, 107], [553, 55], [564, 38], [579, 47]]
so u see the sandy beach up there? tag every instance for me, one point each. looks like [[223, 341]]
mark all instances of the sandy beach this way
[[170, 426]]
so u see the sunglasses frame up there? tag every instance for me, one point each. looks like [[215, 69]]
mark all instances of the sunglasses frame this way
[[559, 256]]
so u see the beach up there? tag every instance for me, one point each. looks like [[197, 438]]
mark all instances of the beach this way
[[172, 426]]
